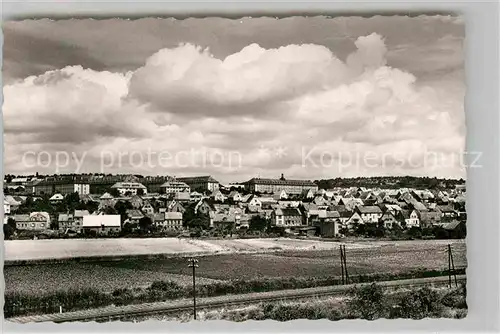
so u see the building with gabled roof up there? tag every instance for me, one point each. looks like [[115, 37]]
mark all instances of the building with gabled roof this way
[[271, 186], [201, 183], [287, 217]]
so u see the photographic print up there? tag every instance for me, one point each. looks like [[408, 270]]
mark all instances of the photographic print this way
[[250, 168]]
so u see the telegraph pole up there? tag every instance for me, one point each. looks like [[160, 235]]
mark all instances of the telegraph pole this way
[[193, 263]]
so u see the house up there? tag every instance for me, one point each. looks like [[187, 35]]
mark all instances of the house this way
[[66, 222], [175, 206], [393, 208], [279, 195], [106, 200], [235, 196], [328, 223], [308, 193], [267, 201], [172, 187], [430, 217], [350, 203], [158, 219], [354, 220], [13, 201], [196, 196], [136, 201], [102, 224], [320, 201], [413, 219], [254, 204], [168, 221], [204, 207], [369, 214], [287, 217], [130, 188], [35, 221], [447, 211], [389, 219], [246, 198], [133, 216], [201, 183], [89, 198], [182, 196], [218, 196], [78, 216], [456, 229], [147, 208], [56, 198], [6, 207]]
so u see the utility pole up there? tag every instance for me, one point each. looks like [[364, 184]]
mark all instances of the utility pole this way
[[451, 265], [193, 263], [342, 264], [345, 265]]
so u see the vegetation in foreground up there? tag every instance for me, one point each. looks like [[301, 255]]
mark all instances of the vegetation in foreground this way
[[369, 302], [17, 304]]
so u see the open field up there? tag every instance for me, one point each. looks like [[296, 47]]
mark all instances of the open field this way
[[78, 248], [383, 257]]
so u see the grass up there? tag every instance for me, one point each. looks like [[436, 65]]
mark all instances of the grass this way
[[369, 303], [139, 273], [17, 304]]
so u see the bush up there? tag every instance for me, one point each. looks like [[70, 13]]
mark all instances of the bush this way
[[456, 298], [368, 302], [418, 304]]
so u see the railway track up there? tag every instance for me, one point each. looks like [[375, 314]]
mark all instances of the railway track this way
[[178, 306]]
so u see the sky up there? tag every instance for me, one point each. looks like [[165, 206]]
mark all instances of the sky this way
[[307, 97]]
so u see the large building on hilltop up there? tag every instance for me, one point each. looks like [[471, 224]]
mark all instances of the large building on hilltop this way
[[63, 186], [277, 185], [202, 183]]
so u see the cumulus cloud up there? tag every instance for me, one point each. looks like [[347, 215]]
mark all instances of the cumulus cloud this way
[[249, 104]]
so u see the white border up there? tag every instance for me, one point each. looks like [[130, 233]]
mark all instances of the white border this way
[[482, 73]]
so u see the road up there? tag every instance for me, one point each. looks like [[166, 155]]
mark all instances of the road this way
[[117, 312]]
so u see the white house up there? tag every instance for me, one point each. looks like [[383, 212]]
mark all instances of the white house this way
[[354, 220], [235, 196], [369, 214], [129, 188], [34, 221], [413, 219], [196, 196], [6, 208], [56, 198], [102, 224], [218, 196], [280, 195], [308, 194], [172, 187]]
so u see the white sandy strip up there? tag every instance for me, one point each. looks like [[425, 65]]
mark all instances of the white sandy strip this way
[[67, 248]]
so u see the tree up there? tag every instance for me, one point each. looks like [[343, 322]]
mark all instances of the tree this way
[[257, 223], [8, 231], [10, 228], [359, 229], [145, 224], [140, 192], [415, 232], [72, 199], [110, 211], [121, 208], [114, 192], [201, 222]]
